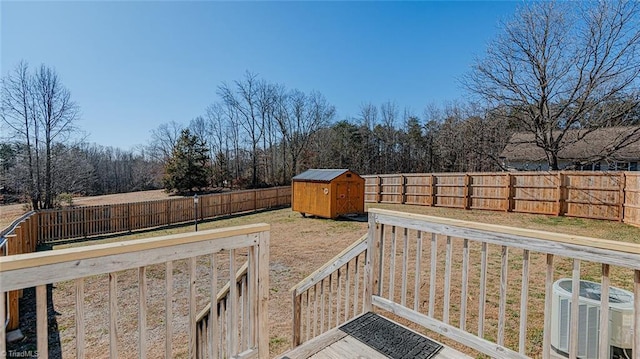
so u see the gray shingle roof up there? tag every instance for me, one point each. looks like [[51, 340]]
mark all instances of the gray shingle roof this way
[[320, 175]]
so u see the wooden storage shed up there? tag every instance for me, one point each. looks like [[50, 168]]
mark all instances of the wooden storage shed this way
[[328, 193]]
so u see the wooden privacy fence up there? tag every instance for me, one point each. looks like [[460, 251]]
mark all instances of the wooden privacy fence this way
[[598, 195], [81, 222]]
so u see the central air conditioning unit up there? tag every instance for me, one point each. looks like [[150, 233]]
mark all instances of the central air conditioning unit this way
[[620, 320]]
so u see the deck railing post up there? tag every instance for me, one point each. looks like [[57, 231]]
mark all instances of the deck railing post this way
[[371, 264], [297, 316]]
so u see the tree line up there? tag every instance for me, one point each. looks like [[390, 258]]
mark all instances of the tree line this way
[[555, 67]]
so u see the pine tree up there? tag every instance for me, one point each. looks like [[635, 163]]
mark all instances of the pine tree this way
[[187, 169]]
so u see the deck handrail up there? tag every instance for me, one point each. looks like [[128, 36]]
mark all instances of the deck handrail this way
[[42, 268], [353, 250]]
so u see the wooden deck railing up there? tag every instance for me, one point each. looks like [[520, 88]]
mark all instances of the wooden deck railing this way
[[203, 260], [331, 295], [208, 325], [490, 288]]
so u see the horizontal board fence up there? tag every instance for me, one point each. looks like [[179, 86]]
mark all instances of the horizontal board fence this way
[[82, 222], [611, 196]]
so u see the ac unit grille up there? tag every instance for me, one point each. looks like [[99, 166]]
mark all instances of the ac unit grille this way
[[588, 328], [588, 320]]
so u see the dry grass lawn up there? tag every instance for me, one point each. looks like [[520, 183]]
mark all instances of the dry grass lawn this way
[[298, 247]]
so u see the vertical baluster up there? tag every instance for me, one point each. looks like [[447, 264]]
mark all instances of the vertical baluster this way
[[142, 313], [338, 296], [245, 314], [432, 274], [113, 315], [3, 320], [42, 321], [380, 259], [575, 299], [168, 314], [192, 306], [405, 263], [636, 313], [524, 300], [603, 347], [330, 304], [416, 289], [308, 315], [548, 302], [252, 280], [465, 283], [80, 318], [316, 299], [224, 329], [232, 305], [502, 309], [322, 304], [447, 281], [347, 289], [213, 309], [356, 285], [483, 289], [392, 264]]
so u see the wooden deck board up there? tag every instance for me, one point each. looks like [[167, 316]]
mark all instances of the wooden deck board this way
[[335, 344]]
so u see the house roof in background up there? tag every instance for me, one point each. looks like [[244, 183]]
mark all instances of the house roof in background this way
[[319, 175], [581, 145]]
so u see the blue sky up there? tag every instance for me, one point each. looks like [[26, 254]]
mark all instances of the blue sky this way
[[132, 66]]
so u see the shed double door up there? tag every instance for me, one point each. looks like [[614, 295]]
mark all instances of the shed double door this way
[[348, 197]]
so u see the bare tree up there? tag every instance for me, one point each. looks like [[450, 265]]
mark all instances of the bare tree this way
[[244, 101], [163, 139], [18, 112], [564, 65], [56, 114], [306, 114], [39, 111]]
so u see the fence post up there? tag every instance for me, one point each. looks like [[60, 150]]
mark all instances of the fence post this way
[[467, 191], [379, 194], [509, 188], [129, 217], [255, 200], [168, 211], [403, 181], [623, 186], [434, 191], [561, 194]]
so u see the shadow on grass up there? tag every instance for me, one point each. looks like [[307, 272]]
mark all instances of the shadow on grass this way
[[28, 346]]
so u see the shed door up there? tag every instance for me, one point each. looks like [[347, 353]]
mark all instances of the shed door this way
[[347, 197]]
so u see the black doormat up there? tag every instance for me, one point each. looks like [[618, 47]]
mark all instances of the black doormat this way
[[390, 339]]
